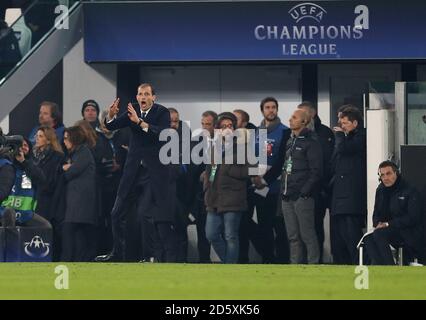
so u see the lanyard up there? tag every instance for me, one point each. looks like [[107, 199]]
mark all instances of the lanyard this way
[[112, 147], [213, 172]]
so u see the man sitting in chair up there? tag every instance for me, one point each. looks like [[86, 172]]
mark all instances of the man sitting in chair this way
[[397, 218]]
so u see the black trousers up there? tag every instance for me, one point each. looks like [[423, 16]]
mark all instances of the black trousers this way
[[78, 242], [266, 209], [378, 245], [158, 242], [345, 233], [151, 244], [203, 245], [168, 240], [136, 199], [249, 232], [282, 248], [181, 228], [108, 193], [321, 204]]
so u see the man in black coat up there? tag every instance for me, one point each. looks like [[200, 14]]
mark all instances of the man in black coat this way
[[145, 181], [397, 218], [301, 174], [349, 197], [322, 199], [208, 123], [184, 193]]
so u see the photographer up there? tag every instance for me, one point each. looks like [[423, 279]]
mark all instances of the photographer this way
[[7, 173], [19, 204]]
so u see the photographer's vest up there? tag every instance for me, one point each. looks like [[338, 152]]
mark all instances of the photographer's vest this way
[[22, 196]]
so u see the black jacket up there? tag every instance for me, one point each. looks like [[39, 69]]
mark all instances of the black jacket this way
[[145, 146], [44, 174], [80, 187], [350, 174], [7, 179], [111, 149], [326, 139], [400, 206], [306, 155]]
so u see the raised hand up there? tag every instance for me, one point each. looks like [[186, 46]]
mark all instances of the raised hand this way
[[113, 108], [131, 113]]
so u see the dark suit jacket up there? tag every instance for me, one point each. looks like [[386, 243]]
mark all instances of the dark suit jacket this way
[[401, 207], [44, 173], [81, 187], [145, 147], [350, 174]]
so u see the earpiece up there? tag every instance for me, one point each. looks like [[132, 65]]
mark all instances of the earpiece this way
[[391, 164]]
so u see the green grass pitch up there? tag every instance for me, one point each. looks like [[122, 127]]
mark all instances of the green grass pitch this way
[[205, 282]]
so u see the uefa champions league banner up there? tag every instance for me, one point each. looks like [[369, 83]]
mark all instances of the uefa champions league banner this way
[[238, 31]]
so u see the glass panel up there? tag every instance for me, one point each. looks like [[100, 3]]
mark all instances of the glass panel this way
[[381, 95], [346, 90], [416, 113], [27, 32]]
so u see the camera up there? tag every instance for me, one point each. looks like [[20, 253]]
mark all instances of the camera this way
[[9, 145]]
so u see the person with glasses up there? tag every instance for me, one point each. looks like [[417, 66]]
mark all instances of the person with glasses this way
[[225, 185]]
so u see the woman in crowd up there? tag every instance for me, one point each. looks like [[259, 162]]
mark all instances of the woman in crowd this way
[[47, 156], [79, 242]]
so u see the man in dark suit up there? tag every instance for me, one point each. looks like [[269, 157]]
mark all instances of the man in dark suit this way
[[349, 195], [397, 218], [145, 181]]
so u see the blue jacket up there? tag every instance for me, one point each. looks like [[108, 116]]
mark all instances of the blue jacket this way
[[21, 198], [272, 145]]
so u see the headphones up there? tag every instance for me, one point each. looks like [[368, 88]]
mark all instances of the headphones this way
[[388, 163]]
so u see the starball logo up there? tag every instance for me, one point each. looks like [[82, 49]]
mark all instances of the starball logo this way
[[306, 34], [307, 11], [37, 248]]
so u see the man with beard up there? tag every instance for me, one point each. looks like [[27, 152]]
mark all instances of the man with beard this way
[[146, 180], [266, 207]]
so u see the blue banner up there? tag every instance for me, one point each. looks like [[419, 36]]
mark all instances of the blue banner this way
[[254, 31]]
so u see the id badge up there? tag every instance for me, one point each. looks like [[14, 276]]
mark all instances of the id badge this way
[[213, 173], [288, 166], [268, 147], [26, 182]]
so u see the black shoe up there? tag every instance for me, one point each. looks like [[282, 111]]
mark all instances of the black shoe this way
[[108, 258], [149, 260]]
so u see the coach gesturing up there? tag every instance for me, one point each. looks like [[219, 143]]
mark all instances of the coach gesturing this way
[[145, 181]]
